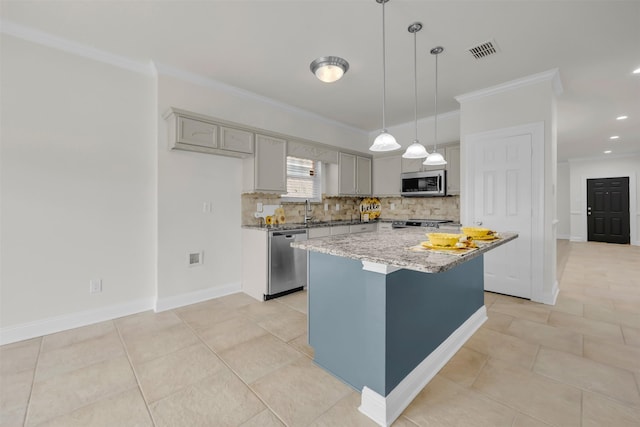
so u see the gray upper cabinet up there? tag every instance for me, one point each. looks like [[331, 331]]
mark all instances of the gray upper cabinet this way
[[236, 140], [386, 176], [452, 156], [197, 132], [354, 175], [270, 164], [363, 176]]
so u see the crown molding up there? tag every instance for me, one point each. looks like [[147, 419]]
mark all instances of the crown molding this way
[[197, 79], [552, 75], [79, 49], [152, 69]]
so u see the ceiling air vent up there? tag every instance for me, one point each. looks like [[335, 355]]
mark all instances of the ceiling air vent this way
[[484, 49]]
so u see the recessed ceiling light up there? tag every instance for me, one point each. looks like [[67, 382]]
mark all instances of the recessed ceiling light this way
[[614, 137], [607, 152], [621, 117]]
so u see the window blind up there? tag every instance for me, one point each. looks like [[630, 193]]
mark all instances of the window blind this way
[[303, 179]]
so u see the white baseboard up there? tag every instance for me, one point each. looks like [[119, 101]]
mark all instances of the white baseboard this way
[[168, 303], [55, 324], [563, 237], [577, 239], [385, 410]]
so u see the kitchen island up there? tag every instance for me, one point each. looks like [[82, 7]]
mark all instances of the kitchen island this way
[[385, 318]]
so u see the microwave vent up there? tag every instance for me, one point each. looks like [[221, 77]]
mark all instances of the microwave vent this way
[[484, 49]]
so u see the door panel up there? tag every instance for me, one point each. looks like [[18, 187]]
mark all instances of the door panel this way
[[608, 210], [502, 201]]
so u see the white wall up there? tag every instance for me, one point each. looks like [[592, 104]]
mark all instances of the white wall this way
[[90, 189], [78, 179], [563, 205], [583, 169]]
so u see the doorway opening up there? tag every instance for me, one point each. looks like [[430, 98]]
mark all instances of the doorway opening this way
[[608, 217]]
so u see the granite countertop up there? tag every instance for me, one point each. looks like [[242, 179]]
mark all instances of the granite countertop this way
[[390, 247], [319, 224]]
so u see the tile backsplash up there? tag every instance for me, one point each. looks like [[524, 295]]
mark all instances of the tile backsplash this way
[[392, 208]]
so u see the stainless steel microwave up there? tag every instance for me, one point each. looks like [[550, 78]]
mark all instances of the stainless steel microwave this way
[[424, 184]]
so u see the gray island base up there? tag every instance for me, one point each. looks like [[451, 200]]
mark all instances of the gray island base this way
[[382, 327]]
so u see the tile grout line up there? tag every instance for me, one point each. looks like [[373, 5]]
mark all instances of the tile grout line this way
[[25, 417], [224, 362], [135, 374]]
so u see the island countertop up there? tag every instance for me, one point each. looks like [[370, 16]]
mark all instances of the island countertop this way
[[391, 247]]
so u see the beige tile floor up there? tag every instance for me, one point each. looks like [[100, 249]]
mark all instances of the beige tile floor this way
[[237, 362]]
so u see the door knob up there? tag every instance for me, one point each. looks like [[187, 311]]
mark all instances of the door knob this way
[[478, 222]]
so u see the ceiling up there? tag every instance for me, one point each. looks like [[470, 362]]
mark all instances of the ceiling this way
[[265, 47]]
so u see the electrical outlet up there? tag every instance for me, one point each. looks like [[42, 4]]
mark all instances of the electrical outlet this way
[[259, 207], [206, 207], [326, 207], [95, 286], [337, 206], [393, 206]]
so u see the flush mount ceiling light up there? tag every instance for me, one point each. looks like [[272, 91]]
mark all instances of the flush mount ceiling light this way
[[614, 137], [636, 71], [622, 117], [607, 152], [415, 150], [385, 141], [435, 158], [329, 68]]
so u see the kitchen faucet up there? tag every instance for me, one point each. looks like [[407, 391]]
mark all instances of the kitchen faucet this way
[[307, 209]]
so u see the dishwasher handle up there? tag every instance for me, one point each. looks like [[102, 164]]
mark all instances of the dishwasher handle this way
[[288, 234]]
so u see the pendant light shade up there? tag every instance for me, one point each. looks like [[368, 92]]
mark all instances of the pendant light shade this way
[[435, 159], [385, 141], [415, 150]]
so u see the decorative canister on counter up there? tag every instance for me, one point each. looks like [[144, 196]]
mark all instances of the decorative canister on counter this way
[[370, 209]]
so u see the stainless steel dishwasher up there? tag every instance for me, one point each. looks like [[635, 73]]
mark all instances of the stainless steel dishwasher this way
[[287, 266]]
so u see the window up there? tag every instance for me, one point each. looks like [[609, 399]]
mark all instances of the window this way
[[303, 180]]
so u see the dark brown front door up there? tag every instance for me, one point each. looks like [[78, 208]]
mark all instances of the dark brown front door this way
[[608, 210]]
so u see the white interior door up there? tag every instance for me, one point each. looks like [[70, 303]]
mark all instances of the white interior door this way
[[502, 188]]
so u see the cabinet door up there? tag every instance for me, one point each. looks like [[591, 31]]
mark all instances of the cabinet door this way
[[270, 164], [453, 169], [315, 233], [347, 174], [386, 176], [362, 228], [412, 165], [237, 140], [196, 132], [339, 229], [363, 176]]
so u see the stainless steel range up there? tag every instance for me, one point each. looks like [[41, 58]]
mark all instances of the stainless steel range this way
[[435, 223]]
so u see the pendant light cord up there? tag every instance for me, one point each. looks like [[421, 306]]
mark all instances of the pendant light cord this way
[[415, 82], [384, 71], [435, 127]]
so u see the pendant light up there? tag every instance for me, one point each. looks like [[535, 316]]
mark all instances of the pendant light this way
[[385, 141], [435, 158], [415, 150]]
